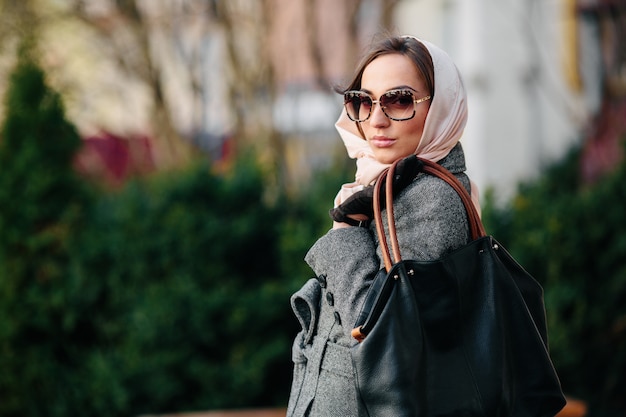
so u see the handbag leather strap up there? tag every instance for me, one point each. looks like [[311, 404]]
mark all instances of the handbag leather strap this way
[[476, 227]]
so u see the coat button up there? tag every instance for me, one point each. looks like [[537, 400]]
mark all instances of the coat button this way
[[330, 299], [337, 318], [322, 280]]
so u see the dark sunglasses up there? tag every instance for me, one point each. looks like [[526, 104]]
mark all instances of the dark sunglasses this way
[[397, 104]]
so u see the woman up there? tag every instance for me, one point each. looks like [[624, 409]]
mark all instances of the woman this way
[[407, 98]]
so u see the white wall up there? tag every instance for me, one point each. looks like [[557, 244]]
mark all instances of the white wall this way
[[521, 113]]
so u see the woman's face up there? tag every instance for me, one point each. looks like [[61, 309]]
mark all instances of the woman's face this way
[[391, 140]]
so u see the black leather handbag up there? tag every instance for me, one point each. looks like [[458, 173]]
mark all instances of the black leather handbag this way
[[461, 336]]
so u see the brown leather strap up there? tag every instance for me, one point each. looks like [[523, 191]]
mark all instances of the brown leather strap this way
[[379, 221], [476, 227]]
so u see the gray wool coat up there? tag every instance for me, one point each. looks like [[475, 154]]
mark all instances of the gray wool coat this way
[[430, 221]]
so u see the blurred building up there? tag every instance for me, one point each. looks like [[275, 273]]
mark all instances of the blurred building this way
[[533, 75], [541, 75]]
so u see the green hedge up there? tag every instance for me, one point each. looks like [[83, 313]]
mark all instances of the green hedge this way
[[169, 295], [192, 274]]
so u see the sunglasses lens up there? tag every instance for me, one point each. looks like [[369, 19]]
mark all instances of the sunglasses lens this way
[[358, 105], [398, 104]]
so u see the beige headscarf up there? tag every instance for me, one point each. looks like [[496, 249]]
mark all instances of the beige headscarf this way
[[443, 128]]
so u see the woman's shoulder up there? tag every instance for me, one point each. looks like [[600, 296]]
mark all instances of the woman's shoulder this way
[[428, 193], [430, 188], [430, 218], [427, 190], [455, 160]]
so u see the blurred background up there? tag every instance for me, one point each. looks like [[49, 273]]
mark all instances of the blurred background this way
[[166, 164]]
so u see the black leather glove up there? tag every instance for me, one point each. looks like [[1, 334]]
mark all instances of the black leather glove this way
[[361, 202]]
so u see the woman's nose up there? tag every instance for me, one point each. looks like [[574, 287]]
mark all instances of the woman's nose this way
[[378, 118]]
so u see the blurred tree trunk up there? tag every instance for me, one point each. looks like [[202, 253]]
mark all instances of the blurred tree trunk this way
[[128, 30], [252, 88]]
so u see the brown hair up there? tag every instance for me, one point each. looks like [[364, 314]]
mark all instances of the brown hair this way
[[410, 47], [407, 46]]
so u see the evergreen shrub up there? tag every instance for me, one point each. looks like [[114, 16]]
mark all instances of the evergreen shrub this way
[[44, 333], [168, 295]]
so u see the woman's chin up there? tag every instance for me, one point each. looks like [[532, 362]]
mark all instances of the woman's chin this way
[[388, 157]]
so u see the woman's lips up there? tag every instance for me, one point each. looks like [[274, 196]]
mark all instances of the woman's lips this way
[[382, 141]]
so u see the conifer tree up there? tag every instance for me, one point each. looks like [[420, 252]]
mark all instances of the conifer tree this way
[[41, 200]]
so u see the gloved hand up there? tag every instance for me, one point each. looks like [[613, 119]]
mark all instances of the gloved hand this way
[[362, 202]]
